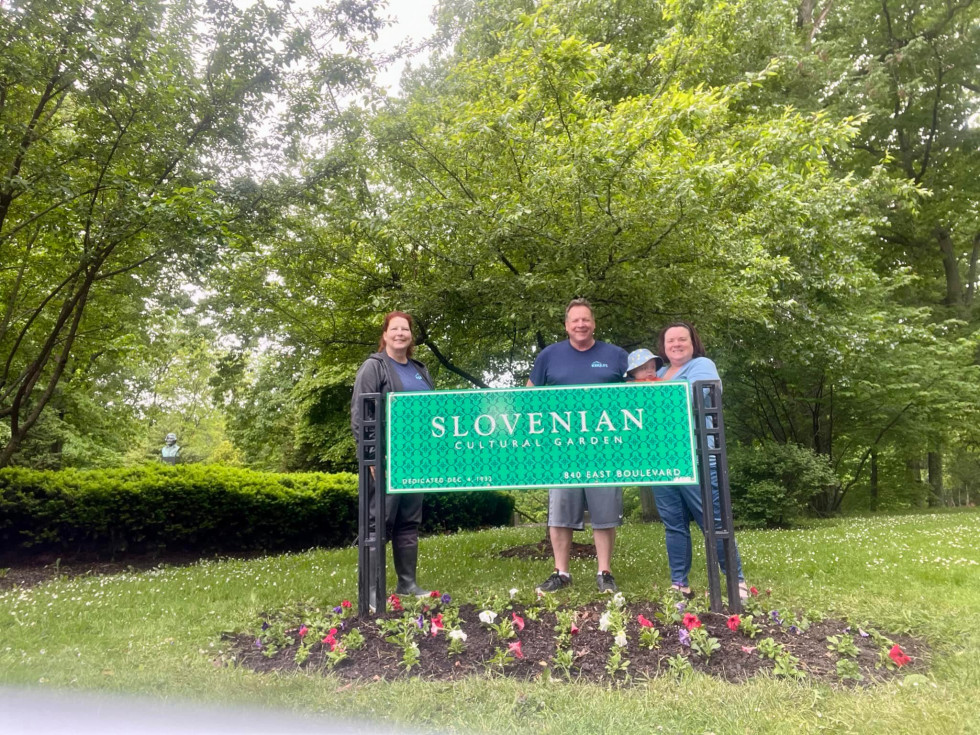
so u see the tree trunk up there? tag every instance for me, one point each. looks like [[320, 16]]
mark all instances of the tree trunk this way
[[935, 460], [951, 266], [913, 471], [971, 277], [874, 479], [648, 506]]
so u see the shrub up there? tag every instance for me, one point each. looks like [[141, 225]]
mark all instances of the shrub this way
[[200, 508], [772, 484]]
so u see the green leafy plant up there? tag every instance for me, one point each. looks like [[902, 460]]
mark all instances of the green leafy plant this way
[[650, 638], [842, 644], [617, 661], [702, 644], [679, 667], [848, 669], [768, 648], [788, 666], [748, 627], [562, 661]]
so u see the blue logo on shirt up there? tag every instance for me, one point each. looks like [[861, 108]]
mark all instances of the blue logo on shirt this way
[[598, 364]]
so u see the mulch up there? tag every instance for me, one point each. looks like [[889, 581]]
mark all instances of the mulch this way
[[543, 550], [380, 659]]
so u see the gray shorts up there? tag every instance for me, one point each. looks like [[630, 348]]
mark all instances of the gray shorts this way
[[566, 507]]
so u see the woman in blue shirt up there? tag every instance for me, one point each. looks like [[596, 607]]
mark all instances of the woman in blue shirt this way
[[392, 368], [678, 505]]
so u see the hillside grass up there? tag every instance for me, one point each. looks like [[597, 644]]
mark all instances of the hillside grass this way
[[159, 633]]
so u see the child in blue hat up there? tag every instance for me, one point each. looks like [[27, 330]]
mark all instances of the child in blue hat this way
[[642, 366]]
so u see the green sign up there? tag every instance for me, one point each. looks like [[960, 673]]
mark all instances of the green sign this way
[[565, 436]]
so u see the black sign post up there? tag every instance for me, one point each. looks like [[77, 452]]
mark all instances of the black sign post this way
[[371, 563], [710, 431]]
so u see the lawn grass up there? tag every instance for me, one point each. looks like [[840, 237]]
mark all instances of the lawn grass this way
[[158, 633]]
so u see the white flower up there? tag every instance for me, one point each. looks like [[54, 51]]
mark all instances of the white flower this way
[[621, 639], [457, 635], [488, 616], [605, 620], [513, 592], [618, 600]]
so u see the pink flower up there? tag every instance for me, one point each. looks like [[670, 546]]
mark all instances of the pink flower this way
[[518, 621], [345, 603], [748, 649], [515, 648], [574, 629], [691, 621], [303, 631], [733, 622], [898, 656], [436, 624], [329, 639], [643, 622], [753, 591]]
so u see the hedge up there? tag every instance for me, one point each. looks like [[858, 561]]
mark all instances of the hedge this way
[[202, 508]]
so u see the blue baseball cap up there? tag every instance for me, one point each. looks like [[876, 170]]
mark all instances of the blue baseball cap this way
[[638, 358]]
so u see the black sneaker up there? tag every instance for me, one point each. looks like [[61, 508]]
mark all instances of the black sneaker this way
[[555, 582], [606, 583]]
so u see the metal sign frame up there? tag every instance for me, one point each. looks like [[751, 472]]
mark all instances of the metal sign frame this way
[[709, 436]]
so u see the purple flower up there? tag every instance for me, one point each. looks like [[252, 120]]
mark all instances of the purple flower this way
[[775, 617], [338, 609], [419, 621], [681, 606], [794, 629], [684, 637], [258, 643], [862, 633], [446, 599], [265, 625], [847, 629]]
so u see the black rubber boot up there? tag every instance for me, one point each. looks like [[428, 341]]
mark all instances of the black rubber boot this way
[[406, 560]]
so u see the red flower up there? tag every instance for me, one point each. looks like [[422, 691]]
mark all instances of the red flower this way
[[518, 621], [303, 631], [691, 621], [345, 603], [395, 603], [329, 639], [643, 621], [733, 622], [898, 656], [753, 591], [436, 624], [435, 593], [515, 648]]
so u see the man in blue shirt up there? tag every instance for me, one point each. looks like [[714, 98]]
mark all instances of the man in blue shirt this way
[[581, 360]]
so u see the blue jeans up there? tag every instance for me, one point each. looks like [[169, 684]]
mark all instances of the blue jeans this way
[[678, 505]]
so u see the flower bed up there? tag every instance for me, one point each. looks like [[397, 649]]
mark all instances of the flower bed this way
[[527, 636]]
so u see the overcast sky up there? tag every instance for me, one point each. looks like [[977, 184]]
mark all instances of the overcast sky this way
[[412, 24]]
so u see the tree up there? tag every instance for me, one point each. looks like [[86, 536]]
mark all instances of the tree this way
[[118, 121]]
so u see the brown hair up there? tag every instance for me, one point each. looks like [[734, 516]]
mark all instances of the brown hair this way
[[579, 302], [695, 339], [384, 328]]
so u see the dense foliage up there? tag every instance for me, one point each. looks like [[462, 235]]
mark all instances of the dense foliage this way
[[201, 508], [799, 178]]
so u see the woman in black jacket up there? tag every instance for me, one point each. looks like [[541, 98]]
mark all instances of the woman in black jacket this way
[[389, 369]]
